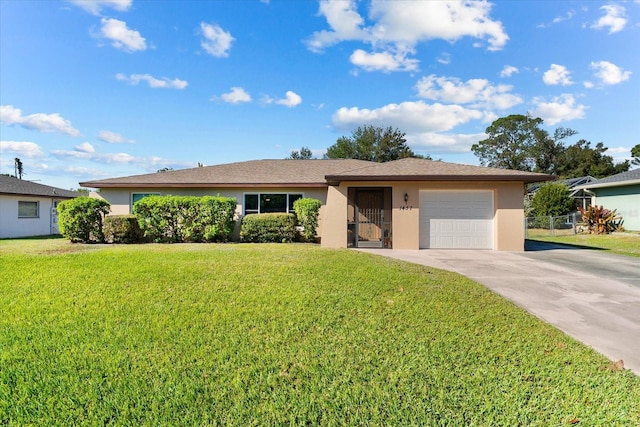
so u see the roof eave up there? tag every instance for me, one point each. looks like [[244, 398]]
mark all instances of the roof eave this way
[[609, 184], [52, 196], [337, 179], [199, 185]]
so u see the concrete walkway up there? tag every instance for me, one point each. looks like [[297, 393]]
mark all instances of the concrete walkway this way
[[591, 295]]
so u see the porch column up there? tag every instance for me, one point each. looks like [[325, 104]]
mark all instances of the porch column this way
[[334, 218]]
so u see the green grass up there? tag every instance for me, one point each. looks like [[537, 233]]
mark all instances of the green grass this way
[[280, 335], [619, 243]]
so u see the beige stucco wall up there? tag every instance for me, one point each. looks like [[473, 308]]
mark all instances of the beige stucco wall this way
[[120, 198], [335, 212], [508, 212], [507, 197]]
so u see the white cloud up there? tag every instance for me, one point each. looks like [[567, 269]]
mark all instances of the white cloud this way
[[39, 121], [290, 100], [444, 143], [113, 138], [153, 82], [95, 6], [614, 18], [557, 75], [85, 147], [397, 27], [444, 58], [608, 73], [508, 71], [30, 150], [587, 84], [570, 14], [122, 37], [86, 151], [216, 41], [236, 96], [345, 22], [559, 109], [411, 117], [81, 152], [476, 92], [383, 61]]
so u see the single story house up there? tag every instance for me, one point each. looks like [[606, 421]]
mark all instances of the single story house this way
[[403, 204], [620, 192], [29, 209]]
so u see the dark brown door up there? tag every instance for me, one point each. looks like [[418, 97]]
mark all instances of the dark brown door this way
[[369, 218]]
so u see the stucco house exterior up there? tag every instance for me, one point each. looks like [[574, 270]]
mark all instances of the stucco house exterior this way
[[403, 204], [620, 192], [28, 208]]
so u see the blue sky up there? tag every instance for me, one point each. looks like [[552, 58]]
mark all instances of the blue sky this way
[[106, 88]]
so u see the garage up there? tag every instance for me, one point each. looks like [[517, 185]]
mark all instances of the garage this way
[[456, 219]]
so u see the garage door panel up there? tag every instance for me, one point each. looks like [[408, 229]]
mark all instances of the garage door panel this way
[[461, 220]]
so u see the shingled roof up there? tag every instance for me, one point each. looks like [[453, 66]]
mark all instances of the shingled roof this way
[[315, 173], [15, 186], [254, 173], [413, 169], [625, 178]]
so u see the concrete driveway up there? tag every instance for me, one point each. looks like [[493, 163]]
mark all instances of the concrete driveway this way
[[591, 295]]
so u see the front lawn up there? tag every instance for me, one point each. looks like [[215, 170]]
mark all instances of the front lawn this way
[[280, 335], [619, 243]]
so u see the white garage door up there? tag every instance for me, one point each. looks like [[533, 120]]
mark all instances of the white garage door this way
[[456, 219]]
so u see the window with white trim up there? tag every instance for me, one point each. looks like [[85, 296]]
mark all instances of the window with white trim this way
[[139, 196], [269, 202], [28, 209]]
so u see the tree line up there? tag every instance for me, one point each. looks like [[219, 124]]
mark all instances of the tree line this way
[[513, 142]]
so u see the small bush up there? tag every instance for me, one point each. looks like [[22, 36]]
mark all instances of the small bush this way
[[80, 219], [307, 211], [122, 229], [268, 228], [600, 220]]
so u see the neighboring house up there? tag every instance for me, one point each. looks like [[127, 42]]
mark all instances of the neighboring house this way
[[576, 189], [620, 192], [403, 204], [29, 209]]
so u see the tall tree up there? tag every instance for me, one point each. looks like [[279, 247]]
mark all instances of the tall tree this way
[[372, 143], [580, 159], [304, 154], [518, 142], [510, 143], [17, 166], [635, 153]]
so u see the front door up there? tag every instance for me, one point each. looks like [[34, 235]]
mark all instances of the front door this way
[[54, 218], [369, 218]]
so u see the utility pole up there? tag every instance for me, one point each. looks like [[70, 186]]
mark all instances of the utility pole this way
[[18, 171]]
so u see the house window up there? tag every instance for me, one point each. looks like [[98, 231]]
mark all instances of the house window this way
[[139, 196], [28, 209], [269, 202]]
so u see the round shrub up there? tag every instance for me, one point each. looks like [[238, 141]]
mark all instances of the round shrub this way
[[307, 211], [268, 228], [553, 199], [122, 229], [80, 219]]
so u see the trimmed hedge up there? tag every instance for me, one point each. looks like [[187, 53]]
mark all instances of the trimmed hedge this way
[[80, 219], [307, 211], [176, 219], [268, 228], [122, 229]]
